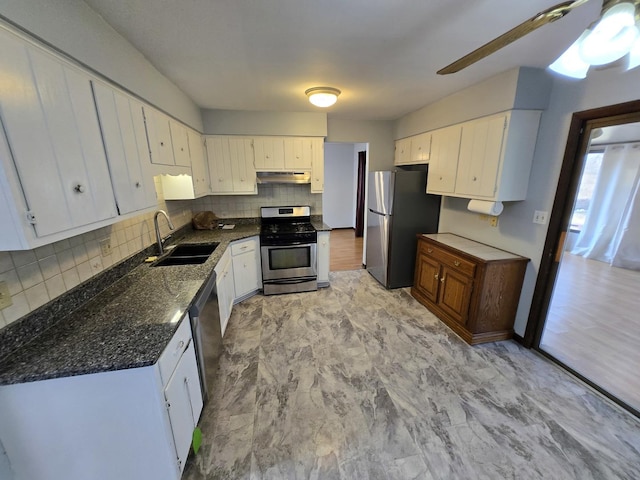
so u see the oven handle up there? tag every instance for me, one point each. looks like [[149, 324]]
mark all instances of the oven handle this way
[[292, 281]]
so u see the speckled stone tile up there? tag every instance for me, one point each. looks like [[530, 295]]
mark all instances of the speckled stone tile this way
[[357, 382]]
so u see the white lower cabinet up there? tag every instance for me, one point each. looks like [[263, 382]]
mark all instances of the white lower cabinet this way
[[324, 251], [225, 288], [127, 424], [247, 271]]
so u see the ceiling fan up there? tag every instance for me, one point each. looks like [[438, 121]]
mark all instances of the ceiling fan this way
[[543, 18]]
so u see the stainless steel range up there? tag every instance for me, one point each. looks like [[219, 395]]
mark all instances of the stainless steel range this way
[[288, 248]]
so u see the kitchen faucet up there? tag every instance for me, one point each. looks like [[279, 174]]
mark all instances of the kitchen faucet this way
[[155, 222]]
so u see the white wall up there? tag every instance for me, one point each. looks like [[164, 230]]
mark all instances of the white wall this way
[[74, 28], [340, 183], [516, 231], [377, 134], [233, 122]]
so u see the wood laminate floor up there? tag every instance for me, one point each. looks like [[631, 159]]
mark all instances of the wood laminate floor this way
[[355, 382], [346, 250], [593, 325]]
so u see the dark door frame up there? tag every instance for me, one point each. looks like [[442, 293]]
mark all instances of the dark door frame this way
[[362, 171], [582, 123]]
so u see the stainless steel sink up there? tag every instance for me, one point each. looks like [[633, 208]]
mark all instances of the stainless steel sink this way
[[187, 254]]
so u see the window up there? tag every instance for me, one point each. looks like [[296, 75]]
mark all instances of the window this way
[[585, 190]]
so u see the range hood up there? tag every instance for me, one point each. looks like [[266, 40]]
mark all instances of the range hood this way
[[284, 177]]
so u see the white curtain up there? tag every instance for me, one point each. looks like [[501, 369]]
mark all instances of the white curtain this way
[[611, 231]]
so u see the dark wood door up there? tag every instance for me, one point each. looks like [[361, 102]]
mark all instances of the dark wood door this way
[[455, 294], [360, 194], [428, 273]]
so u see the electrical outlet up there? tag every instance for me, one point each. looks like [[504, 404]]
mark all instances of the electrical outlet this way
[[493, 221], [105, 247], [540, 217], [5, 296]]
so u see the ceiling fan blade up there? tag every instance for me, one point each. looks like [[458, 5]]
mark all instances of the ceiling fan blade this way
[[547, 16]]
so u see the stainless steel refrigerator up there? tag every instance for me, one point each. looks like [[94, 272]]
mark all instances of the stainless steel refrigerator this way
[[398, 209]]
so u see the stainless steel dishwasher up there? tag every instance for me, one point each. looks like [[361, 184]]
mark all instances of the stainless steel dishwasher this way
[[205, 326]]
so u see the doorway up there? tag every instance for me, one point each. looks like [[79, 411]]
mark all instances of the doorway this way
[[343, 202], [584, 310]]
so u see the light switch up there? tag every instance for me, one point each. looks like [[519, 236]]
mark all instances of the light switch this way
[[5, 296]]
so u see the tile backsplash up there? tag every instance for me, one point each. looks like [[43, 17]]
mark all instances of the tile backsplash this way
[[247, 206], [35, 277]]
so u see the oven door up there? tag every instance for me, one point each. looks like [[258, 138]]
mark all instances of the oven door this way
[[289, 261]]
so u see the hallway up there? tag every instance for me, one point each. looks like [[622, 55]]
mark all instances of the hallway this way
[[346, 250]]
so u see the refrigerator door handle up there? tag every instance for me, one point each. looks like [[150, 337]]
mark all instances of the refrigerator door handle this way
[[379, 213]]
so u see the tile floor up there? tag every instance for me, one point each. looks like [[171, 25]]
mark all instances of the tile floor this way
[[356, 382]]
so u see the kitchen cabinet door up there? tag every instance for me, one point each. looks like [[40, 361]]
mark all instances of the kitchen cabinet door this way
[[480, 154], [317, 165], [125, 140], [58, 159], [269, 153], [455, 293], [180, 144], [243, 171], [324, 252], [443, 163], [184, 403], [297, 154], [247, 271], [427, 278], [199, 169], [225, 288], [159, 135], [219, 160], [402, 154], [420, 148]]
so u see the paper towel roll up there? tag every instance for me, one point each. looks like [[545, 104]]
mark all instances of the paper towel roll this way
[[487, 208]]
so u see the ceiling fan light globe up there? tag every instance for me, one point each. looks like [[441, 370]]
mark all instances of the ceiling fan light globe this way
[[570, 63], [615, 19], [598, 48], [634, 55]]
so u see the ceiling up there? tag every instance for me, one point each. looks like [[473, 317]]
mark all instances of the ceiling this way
[[262, 55]]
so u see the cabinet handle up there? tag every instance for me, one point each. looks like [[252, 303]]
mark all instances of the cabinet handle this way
[[456, 263], [430, 250], [435, 276], [181, 344], [78, 188], [162, 144], [137, 184], [474, 179], [442, 279]]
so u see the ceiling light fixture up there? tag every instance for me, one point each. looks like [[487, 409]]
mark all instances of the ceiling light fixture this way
[[615, 35], [322, 96]]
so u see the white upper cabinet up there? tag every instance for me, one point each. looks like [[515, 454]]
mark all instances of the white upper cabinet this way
[[159, 134], [402, 154], [420, 148], [297, 153], [480, 149], [231, 165], [269, 153], [180, 144], [317, 165], [493, 158], [199, 169], [125, 140], [54, 177], [243, 170], [443, 163]]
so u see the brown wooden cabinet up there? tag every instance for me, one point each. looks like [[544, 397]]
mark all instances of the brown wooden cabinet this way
[[472, 287]]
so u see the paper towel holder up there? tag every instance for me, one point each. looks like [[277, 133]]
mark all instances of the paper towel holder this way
[[485, 207]]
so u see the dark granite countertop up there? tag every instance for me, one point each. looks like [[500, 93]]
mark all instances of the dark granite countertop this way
[[127, 325]]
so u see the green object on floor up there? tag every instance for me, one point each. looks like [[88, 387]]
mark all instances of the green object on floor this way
[[196, 440]]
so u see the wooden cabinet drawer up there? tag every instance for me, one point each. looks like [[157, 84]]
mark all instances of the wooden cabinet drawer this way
[[454, 261], [176, 347]]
